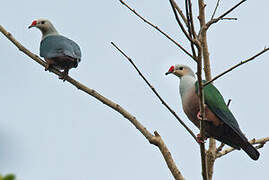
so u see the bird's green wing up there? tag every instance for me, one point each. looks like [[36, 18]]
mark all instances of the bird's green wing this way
[[216, 103]]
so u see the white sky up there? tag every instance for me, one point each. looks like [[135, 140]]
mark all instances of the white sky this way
[[50, 130]]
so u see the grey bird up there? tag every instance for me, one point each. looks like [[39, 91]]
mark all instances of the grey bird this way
[[58, 51]]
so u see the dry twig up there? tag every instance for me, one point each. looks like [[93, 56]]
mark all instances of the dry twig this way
[[237, 65], [158, 29], [215, 20], [261, 142], [155, 92], [180, 12], [215, 10], [153, 139]]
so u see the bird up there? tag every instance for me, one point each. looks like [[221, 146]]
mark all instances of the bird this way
[[57, 50], [219, 122]]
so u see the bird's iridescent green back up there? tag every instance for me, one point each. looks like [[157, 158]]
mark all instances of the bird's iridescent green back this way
[[216, 103]]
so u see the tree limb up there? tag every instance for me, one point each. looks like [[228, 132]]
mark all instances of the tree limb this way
[[158, 29], [203, 39], [191, 28], [215, 20], [180, 24], [155, 92], [215, 10], [202, 112], [180, 12], [261, 142], [237, 65], [153, 139]]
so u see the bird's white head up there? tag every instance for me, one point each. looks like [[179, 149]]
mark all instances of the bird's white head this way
[[180, 70], [45, 26]]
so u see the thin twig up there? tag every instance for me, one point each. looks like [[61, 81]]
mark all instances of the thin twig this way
[[180, 12], [217, 5], [235, 66], [179, 22], [158, 29], [155, 92], [153, 139], [191, 30], [220, 147], [228, 19], [215, 20], [229, 102], [261, 143], [202, 112], [190, 19]]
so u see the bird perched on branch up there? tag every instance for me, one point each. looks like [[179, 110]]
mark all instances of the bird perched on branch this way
[[57, 50], [220, 122]]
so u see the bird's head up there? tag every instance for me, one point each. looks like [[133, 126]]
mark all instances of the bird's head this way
[[41, 24], [180, 70], [45, 26]]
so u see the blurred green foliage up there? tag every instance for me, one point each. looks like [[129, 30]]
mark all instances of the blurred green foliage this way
[[8, 177]]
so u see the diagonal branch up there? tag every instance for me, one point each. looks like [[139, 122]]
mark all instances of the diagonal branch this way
[[191, 29], [180, 24], [215, 10], [158, 29], [155, 92], [215, 20], [180, 12], [153, 139], [235, 66], [260, 143]]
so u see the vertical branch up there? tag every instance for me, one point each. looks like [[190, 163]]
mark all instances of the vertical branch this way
[[190, 25], [202, 112], [203, 39]]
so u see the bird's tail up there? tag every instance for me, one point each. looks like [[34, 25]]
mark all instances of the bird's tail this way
[[252, 152]]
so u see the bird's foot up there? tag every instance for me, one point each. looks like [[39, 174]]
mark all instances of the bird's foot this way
[[47, 67], [199, 116], [199, 139], [64, 75]]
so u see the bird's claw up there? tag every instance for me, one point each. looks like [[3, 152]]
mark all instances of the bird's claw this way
[[199, 139], [199, 116], [47, 67], [63, 75]]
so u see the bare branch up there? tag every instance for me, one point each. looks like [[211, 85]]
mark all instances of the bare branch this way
[[179, 22], [155, 92], [215, 10], [229, 102], [235, 66], [229, 19], [207, 169], [153, 139], [261, 142], [212, 21], [220, 147], [180, 12], [202, 112], [158, 29], [190, 25]]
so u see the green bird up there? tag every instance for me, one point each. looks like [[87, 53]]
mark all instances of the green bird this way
[[220, 122]]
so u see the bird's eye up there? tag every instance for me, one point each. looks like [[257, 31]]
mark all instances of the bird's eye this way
[[42, 22], [180, 68]]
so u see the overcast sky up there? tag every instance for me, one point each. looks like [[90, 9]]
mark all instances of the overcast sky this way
[[50, 130]]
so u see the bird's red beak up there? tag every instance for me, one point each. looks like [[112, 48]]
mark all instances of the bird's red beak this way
[[33, 24], [171, 70]]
